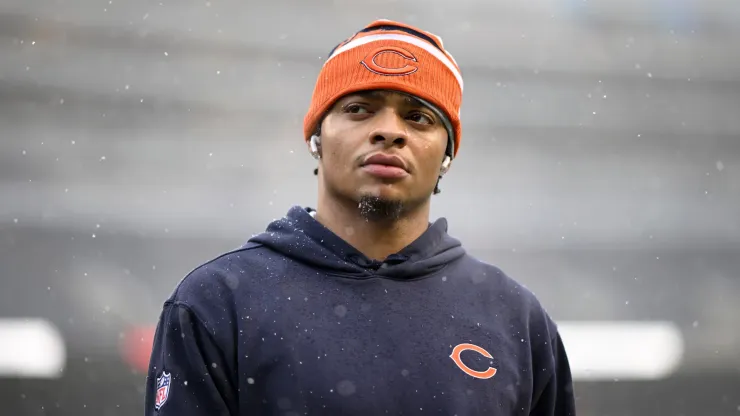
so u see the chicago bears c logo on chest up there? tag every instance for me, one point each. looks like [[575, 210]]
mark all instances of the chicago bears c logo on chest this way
[[456, 357]]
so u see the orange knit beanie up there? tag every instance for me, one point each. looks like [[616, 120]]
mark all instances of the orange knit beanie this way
[[390, 55]]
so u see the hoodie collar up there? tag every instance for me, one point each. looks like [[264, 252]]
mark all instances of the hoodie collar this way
[[299, 236]]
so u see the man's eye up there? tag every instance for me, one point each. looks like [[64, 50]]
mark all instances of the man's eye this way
[[355, 109], [421, 118]]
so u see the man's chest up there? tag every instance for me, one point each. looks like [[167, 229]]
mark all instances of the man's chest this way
[[359, 352]]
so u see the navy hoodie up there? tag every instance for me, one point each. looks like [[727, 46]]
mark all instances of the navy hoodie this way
[[298, 322]]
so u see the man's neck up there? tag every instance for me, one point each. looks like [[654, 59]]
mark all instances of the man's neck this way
[[375, 239]]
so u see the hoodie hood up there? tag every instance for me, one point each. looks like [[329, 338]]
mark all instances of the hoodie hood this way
[[300, 237]]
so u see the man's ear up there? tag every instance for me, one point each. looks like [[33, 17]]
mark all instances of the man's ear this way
[[314, 143], [314, 146], [446, 163]]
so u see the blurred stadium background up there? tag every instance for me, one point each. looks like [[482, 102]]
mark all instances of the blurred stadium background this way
[[600, 166]]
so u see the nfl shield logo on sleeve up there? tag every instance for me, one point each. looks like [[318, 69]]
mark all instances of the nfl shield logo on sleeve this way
[[163, 390]]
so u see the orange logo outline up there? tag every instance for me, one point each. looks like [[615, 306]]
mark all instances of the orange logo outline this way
[[374, 67], [457, 351]]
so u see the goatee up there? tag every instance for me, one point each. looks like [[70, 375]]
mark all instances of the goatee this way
[[375, 209]]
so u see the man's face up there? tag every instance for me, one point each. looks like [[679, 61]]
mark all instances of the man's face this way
[[382, 145]]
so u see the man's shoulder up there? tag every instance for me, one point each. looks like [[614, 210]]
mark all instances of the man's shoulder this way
[[211, 293], [218, 277], [483, 272], [510, 291]]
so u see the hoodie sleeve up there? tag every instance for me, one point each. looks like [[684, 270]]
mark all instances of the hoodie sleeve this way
[[556, 396], [188, 373]]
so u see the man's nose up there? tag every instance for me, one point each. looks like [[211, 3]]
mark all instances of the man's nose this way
[[389, 129]]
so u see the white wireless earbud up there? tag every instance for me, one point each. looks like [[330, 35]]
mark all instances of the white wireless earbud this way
[[314, 144], [445, 165]]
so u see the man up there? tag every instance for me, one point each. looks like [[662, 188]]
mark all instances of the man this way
[[362, 307]]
